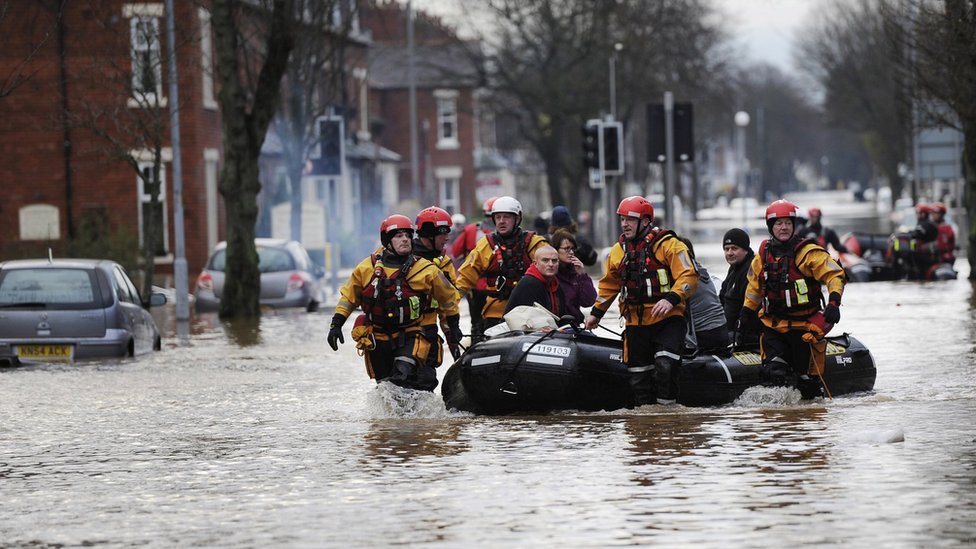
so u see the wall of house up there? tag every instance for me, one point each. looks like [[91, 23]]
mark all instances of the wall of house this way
[[97, 61]]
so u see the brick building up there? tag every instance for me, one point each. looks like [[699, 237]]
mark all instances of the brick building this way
[[447, 78], [67, 136]]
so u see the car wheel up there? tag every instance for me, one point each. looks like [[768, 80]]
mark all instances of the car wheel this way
[[158, 344], [312, 306], [131, 352]]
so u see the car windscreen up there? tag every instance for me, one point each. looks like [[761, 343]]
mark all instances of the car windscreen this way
[[270, 260], [62, 288]]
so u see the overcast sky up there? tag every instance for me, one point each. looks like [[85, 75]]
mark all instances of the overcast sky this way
[[763, 28]]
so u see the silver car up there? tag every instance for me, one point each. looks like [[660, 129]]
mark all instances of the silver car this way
[[62, 310], [288, 277]]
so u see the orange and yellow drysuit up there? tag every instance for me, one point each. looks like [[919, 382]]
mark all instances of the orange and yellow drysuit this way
[[501, 263]]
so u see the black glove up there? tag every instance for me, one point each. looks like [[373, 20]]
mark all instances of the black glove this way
[[747, 325], [832, 310], [454, 335], [335, 331]]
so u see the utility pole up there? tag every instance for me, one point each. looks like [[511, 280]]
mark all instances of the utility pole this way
[[412, 99], [179, 262]]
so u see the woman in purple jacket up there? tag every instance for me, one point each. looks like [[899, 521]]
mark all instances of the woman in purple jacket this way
[[577, 286]]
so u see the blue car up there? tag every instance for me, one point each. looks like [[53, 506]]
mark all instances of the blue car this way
[[62, 310]]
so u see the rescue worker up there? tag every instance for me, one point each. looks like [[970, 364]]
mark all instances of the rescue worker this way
[[433, 229], [653, 273], [500, 259], [921, 255], [945, 241], [785, 298], [823, 235], [396, 335], [463, 246], [738, 254]]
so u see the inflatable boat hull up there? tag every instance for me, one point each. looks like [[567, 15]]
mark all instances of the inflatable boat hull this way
[[535, 372]]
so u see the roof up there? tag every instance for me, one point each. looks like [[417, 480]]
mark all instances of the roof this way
[[56, 262], [454, 65], [367, 150]]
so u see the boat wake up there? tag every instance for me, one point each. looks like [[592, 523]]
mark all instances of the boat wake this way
[[392, 401], [760, 396]]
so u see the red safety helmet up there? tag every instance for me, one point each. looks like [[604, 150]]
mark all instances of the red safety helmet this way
[[488, 204], [781, 208], [433, 221], [636, 206], [939, 208], [923, 209], [391, 225], [814, 212]]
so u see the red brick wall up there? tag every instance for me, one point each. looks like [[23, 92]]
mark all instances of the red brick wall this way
[[32, 166]]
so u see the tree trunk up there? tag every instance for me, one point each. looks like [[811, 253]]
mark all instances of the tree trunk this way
[[239, 185], [247, 106], [969, 172]]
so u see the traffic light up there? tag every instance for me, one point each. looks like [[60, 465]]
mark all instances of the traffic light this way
[[684, 140], [330, 145], [683, 127], [593, 144], [613, 150]]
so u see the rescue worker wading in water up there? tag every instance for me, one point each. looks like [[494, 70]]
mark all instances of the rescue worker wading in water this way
[[500, 259], [433, 229], [785, 295], [395, 288], [653, 273]]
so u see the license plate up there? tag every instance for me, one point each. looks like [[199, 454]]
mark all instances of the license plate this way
[[46, 352]]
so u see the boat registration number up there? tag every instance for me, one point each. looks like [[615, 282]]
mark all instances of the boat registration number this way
[[554, 350], [46, 352]]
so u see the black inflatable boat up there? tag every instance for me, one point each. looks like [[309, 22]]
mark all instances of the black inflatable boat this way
[[542, 372]]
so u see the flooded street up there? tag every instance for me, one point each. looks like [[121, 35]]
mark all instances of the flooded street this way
[[260, 435]]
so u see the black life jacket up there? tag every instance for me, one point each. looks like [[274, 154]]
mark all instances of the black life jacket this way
[[508, 263], [390, 303], [644, 279], [785, 291]]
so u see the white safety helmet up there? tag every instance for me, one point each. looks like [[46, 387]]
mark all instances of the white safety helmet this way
[[459, 220], [506, 204]]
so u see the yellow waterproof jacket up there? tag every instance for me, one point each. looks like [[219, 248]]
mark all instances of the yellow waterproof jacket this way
[[444, 263], [671, 253], [811, 261], [423, 277], [475, 265]]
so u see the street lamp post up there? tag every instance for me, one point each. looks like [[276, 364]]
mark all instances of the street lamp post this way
[[741, 122], [608, 195]]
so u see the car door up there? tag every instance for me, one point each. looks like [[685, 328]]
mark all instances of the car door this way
[[146, 323], [130, 309]]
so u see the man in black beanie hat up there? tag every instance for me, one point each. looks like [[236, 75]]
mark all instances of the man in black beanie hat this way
[[739, 256]]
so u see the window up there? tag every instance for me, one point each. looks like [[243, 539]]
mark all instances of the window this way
[[123, 288], [447, 119], [147, 82], [449, 188], [146, 207], [206, 61], [66, 288]]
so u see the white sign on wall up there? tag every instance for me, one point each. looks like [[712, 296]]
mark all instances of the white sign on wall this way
[[40, 222]]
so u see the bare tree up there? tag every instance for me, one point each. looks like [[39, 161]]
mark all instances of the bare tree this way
[[253, 41], [549, 68], [133, 124], [857, 58], [311, 85], [941, 37], [41, 26]]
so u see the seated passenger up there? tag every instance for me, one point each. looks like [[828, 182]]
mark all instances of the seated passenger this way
[[577, 286], [540, 285], [707, 331]]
